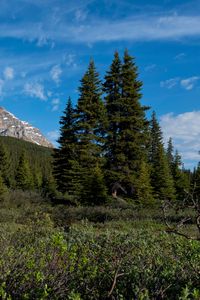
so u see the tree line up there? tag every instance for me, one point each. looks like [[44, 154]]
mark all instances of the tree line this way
[[24, 166], [107, 145]]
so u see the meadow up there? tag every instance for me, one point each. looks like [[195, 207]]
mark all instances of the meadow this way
[[116, 251]]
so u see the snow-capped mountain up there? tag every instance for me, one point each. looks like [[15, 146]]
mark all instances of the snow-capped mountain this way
[[12, 126]]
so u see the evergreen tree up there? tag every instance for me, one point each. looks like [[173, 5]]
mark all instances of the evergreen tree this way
[[113, 93], [126, 147], [24, 178], [48, 187], [161, 178], [181, 179], [65, 155], [144, 189], [170, 155], [90, 124], [3, 189], [94, 192], [5, 165]]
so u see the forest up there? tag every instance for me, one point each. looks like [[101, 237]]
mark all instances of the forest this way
[[111, 213]]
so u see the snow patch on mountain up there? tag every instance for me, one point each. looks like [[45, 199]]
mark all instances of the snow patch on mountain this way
[[12, 126]]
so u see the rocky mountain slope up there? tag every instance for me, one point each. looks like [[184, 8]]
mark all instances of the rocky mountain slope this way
[[12, 126]]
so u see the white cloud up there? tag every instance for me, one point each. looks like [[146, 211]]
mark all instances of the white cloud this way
[[185, 131], [35, 90], [55, 73], [69, 60], [55, 104], [8, 73], [150, 67], [189, 83], [170, 83], [137, 28], [180, 56]]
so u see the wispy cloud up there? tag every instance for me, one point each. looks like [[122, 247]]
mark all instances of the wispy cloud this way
[[150, 67], [180, 56], [69, 60], [35, 90], [8, 73], [185, 131], [186, 83], [170, 83], [135, 28], [189, 83], [55, 104], [56, 73], [53, 136]]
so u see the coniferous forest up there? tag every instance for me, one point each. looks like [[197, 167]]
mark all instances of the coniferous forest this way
[[111, 213]]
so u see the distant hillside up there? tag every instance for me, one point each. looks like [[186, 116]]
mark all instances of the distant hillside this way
[[39, 157]]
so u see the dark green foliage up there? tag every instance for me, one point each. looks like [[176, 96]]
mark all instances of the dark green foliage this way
[[161, 178], [23, 177], [144, 189], [48, 187], [127, 124], [3, 189], [66, 155], [90, 120], [94, 189], [170, 154], [196, 183], [39, 159], [181, 179], [5, 164]]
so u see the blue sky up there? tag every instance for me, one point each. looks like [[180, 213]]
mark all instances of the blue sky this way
[[45, 47]]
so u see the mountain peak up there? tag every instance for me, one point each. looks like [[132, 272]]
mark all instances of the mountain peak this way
[[12, 126]]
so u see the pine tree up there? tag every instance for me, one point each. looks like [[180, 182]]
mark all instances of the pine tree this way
[[196, 182], [161, 178], [170, 155], [5, 165], [144, 189], [65, 155], [90, 116], [48, 187], [24, 178], [94, 192], [181, 179], [126, 147], [3, 189], [90, 124], [113, 90]]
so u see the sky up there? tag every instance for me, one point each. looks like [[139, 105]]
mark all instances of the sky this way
[[46, 45]]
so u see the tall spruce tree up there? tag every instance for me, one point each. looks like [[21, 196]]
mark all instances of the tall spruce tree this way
[[65, 156], [24, 177], [161, 178], [127, 138], [181, 179], [91, 119], [170, 153], [113, 93], [144, 189]]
